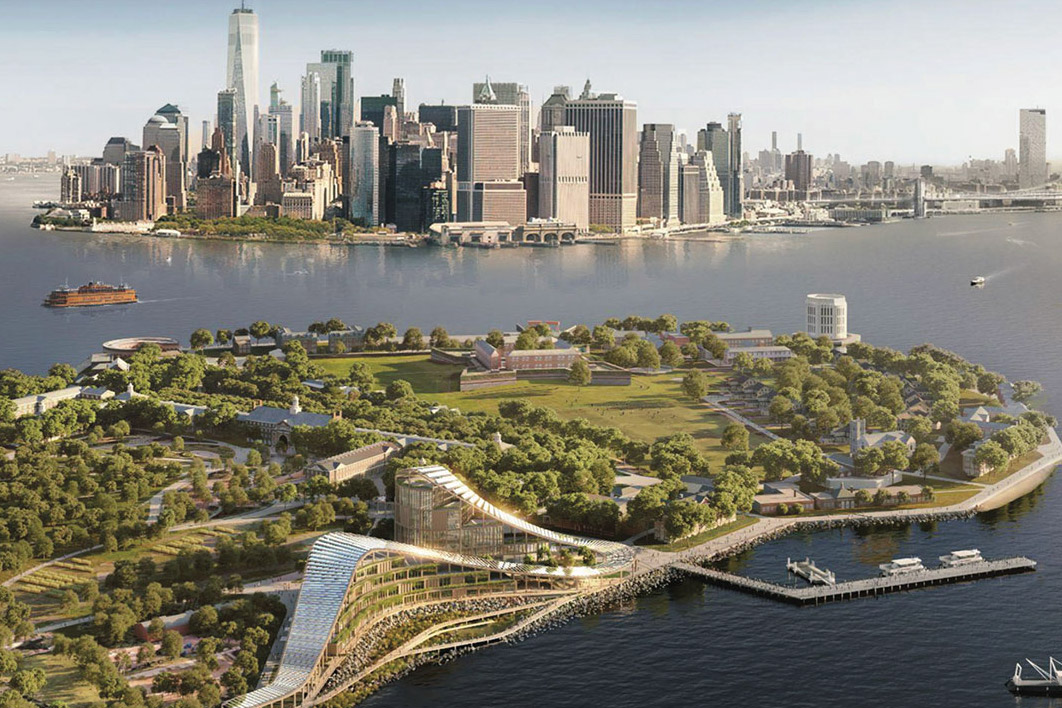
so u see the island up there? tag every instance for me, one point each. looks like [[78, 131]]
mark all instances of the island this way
[[275, 517]]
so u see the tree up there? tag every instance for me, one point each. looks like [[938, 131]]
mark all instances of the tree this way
[[28, 682], [670, 354], [439, 338], [603, 337], [695, 384], [260, 329], [201, 338], [735, 437], [399, 389], [361, 377], [648, 357], [961, 435], [743, 361], [580, 373], [145, 653], [780, 409], [209, 695], [64, 372], [924, 457], [869, 461], [762, 367], [863, 497], [1025, 390], [171, 644], [223, 336], [380, 333], [665, 323], [495, 338], [413, 339]]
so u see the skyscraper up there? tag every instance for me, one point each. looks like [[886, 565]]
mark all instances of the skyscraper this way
[[284, 139], [552, 113], [336, 75], [227, 123], [702, 199], [798, 170], [310, 108], [715, 139], [612, 123], [398, 90], [488, 152], [510, 94], [564, 176], [736, 197], [658, 172], [1032, 148], [242, 75], [170, 139], [363, 179], [143, 185]]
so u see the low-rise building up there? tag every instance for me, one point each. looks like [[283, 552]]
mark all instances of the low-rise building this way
[[354, 463], [749, 338], [492, 358], [971, 468], [859, 438], [241, 345], [773, 353], [43, 402], [276, 424], [488, 234], [769, 501]]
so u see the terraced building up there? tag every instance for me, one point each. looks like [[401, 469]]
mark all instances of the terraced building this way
[[352, 583]]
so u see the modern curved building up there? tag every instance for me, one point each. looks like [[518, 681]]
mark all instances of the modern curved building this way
[[352, 582]]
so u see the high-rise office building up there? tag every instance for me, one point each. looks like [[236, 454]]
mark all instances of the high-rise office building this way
[[488, 151], [310, 107], [335, 72], [552, 113], [612, 123], [207, 130], [115, 150], [227, 124], [373, 107], [267, 174], [736, 196], [658, 170], [398, 90], [510, 94], [168, 129], [798, 170], [413, 168], [564, 176], [215, 191], [1032, 148], [241, 75], [715, 139], [281, 127], [363, 179], [1010, 162], [143, 186], [443, 117]]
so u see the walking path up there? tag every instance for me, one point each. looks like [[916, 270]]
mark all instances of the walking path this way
[[716, 403], [41, 566]]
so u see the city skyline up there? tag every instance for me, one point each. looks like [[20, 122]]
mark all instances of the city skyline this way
[[928, 118]]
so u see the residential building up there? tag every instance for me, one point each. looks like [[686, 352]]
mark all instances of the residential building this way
[[363, 180], [310, 107], [143, 186], [700, 192], [70, 187], [773, 354], [612, 123], [115, 150], [564, 176], [749, 338], [241, 75], [1032, 148]]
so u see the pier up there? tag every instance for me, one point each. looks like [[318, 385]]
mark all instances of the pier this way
[[807, 570], [868, 587]]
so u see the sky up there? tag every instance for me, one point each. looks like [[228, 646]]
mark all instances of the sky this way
[[911, 81]]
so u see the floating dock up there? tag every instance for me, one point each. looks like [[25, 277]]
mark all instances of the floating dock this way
[[869, 587], [807, 570]]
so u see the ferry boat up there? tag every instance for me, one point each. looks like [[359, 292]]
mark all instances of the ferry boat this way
[[901, 566], [90, 295], [1046, 683], [957, 558], [978, 281]]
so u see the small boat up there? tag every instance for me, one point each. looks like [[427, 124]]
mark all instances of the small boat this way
[[901, 566], [978, 281], [957, 558], [1046, 683]]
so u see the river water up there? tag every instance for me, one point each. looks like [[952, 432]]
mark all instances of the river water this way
[[690, 644]]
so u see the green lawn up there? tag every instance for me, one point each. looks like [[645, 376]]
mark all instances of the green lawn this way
[[418, 370], [63, 683], [705, 536], [651, 407]]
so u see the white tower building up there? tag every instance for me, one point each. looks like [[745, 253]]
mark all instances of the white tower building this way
[[827, 315]]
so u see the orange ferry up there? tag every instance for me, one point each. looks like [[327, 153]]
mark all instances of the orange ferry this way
[[91, 294]]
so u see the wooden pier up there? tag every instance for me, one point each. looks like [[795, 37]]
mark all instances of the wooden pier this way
[[869, 587]]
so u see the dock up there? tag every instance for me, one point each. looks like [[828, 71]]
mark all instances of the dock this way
[[807, 570], [868, 587]]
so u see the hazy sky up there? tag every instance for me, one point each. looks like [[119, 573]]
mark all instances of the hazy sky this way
[[907, 80]]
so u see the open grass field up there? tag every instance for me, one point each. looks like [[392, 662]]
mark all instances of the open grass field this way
[[418, 370], [651, 407], [705, 536], [63, 683]]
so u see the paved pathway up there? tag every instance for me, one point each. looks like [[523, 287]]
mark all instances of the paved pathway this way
[[716, 402], [40, 566]]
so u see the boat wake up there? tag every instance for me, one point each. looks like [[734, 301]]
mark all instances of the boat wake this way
[[171, 299], [1002, 273], [1021, 242]]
